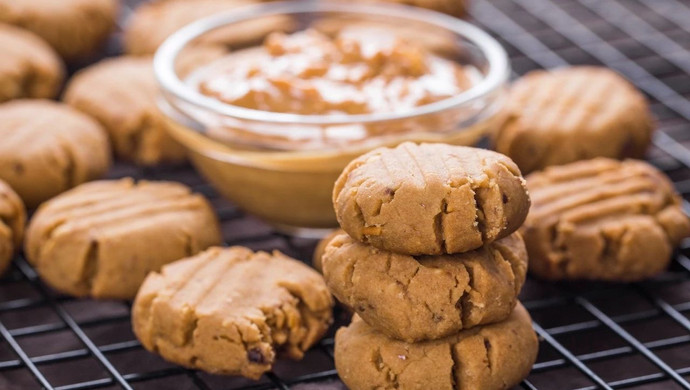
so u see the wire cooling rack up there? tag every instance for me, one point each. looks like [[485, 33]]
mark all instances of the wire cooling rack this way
[[592, 336]]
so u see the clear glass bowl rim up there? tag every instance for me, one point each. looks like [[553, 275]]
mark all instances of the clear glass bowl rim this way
[[171, 85]]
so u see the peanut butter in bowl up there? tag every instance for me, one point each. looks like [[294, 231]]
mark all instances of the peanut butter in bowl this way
[[272, 126], [360, 71]]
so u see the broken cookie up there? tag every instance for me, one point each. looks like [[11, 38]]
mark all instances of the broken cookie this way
[[101, 239], [602, 219], [430, 199], [231, 311], [426, 297]]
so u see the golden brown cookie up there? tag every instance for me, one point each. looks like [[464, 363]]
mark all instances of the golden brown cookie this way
[[74, 28], [496, 356], [426, 297], [430, 199], [153, 22], [29, 67], [12, 220], [121, 94], [231, 311], [602, 219], [570, 114], [101, 239], [48, 148]]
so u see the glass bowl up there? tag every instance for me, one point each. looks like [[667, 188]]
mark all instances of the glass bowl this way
[[281, 167]]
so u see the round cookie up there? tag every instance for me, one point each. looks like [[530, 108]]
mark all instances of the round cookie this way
[[570, 114], [430, 199], [496, 356], [153, 22], [602, 219], [48, 148], [74, 28], [400, 295], [30, 68], [12, 220], [101, 239], [231, 311], [121, 94]]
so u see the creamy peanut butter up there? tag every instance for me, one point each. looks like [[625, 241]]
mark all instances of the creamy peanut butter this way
[[359, 71]]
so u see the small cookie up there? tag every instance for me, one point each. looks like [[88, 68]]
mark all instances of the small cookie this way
[[231, 311], [602, 219], [430, 199], [101, 239], [74, 28], [321, 248], [12, 220], [496, 356], [428, 297], [121, 94], [153, 22], [48, 148], [570, 114], [30, 68]]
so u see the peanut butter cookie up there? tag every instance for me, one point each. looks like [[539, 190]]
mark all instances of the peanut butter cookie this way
[[399, 295], [489, 357], [570, 114], [602, 219], [74, 28], [430, 199], [30, 68], [12, 220], [101, 239], [48, 148], [231, 311], [121, 94], [153, 22]]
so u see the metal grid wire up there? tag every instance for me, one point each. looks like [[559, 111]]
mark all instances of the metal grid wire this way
[[592, 335]]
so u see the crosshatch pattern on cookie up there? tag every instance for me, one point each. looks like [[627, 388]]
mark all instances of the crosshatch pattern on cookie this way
[[430, 199], [602, 219]]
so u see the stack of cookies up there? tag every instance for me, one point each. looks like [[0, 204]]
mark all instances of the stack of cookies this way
[[431, 264]]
